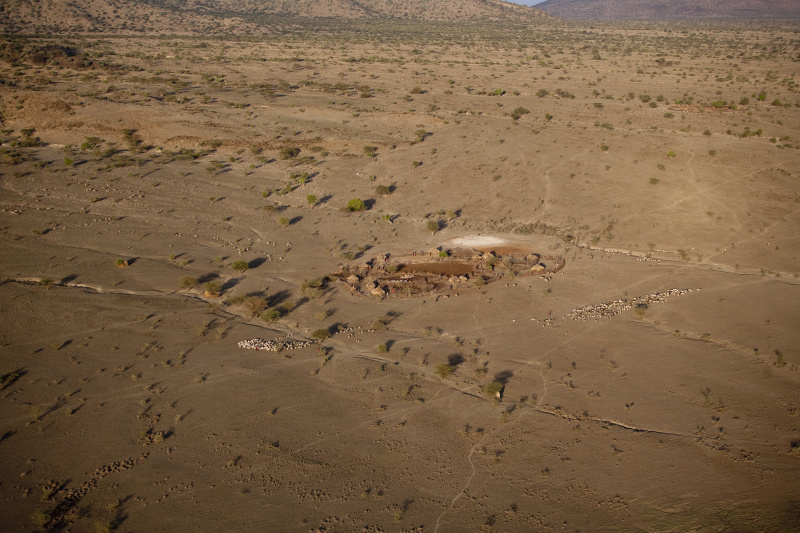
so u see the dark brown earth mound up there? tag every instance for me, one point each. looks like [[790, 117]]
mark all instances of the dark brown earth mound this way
[[455, 268]]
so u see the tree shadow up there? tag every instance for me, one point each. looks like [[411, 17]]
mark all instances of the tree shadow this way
[[368, 204], [278, 298], [208, 277], [295, 220], [231, 283], [455, 359], [391, 315], [117, 521], [336, 327], [503, 376], [257, 262], [325, 199]]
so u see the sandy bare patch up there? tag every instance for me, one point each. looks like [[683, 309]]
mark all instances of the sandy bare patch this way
[[477, 241]]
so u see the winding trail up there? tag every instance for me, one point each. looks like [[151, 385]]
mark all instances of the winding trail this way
[[700, 191]]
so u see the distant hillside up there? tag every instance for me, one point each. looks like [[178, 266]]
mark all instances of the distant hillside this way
[[670, 9], [430, 10], [236, 16], [114, 16]]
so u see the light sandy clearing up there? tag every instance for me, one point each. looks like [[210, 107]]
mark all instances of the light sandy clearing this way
[[476, 241]]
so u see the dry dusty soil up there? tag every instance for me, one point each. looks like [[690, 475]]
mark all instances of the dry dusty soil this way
[[651, 384]]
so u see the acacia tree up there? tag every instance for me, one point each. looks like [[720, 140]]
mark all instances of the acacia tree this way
[[433, 226]]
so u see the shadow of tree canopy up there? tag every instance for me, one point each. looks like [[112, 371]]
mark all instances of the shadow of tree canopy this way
[[455, 359], [503, 376]]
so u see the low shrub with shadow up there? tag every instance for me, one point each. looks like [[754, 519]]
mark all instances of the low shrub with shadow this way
[[444, 370]]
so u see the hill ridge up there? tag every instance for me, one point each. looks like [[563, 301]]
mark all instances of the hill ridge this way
[[239, 16], [673, 9]]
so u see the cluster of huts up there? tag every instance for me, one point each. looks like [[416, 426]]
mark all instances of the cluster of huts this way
[[384, 275]]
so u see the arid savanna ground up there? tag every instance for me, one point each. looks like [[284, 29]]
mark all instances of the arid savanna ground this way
[[164, 198]]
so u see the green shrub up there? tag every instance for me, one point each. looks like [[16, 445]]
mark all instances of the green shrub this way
[[444, 370], [255, 304], [213, 288], [312, 287], [187, 282], [241, 265], [42, 517], [321, 334], [518, 112], [288, 152], [356, 204], [270, 316], [491, 389]]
